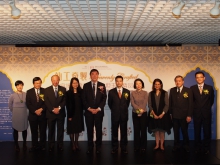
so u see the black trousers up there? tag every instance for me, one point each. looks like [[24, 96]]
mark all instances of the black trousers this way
[[204, 123], [41, 125], [140, 130], [180, 124], [60, 131], [91, 121], [123, 133]]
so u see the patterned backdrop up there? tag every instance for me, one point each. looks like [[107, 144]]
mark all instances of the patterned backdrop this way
[[157, 62]]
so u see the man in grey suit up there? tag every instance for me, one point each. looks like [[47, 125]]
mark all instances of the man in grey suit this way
[[181, 109], [55, 102]]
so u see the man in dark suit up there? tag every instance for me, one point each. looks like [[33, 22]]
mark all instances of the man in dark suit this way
[[94, 100], [181, 109], [118, 101], [55, 102], [37, 114], [203, 98]]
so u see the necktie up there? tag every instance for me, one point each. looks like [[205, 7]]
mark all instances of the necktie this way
[[37, 95], [55, 91], [93, 89], [178, 90], [119, 93], [200, 89]]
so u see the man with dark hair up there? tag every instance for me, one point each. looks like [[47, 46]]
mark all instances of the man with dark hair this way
[[118, 101], [181, 109], [203, 98], [37, 114], [94, 100], [55, 102]]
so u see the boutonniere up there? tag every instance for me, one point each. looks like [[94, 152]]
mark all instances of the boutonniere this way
[[185, 95], [139, 111], [126, 95], [41, 96], [151, 114], [206, 91], [60, 93], [101, 89]]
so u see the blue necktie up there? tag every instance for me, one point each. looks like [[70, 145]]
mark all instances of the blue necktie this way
[[55, 91]]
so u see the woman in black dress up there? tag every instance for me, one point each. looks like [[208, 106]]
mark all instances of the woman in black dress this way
[[74, 106], [159, 117]]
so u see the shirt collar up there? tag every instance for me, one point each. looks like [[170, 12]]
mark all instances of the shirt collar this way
[[202, 85], [120, 88], [55, 87], [36, 90], [94, 82], [180, 88]]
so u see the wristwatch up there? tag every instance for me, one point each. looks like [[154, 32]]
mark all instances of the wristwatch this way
[[163, 112], [59, 107]]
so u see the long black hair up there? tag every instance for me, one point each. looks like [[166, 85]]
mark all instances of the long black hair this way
[[79, 89]]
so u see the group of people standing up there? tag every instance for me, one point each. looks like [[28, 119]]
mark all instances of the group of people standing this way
[[47, 107]]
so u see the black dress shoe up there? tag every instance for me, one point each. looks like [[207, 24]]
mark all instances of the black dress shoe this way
[[114, 151], [206, 152], [60, 148], [136, 150], [17, 148], [124, 151], [186, 149], [89, 151], [98, 151], [32, 149], [42, 148], [51, 149], [143, 150], [175, 148]]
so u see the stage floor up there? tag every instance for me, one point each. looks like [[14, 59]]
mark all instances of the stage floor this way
[[8, 156]]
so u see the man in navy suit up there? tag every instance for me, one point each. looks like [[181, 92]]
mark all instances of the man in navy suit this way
[[94, 100], [37, 114], [55, 102], [118, 101], [203, 98]]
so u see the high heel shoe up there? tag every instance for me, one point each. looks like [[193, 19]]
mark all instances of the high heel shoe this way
[[156, 148], [162, 149]]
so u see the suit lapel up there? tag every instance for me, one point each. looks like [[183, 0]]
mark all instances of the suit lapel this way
[[116, 93]]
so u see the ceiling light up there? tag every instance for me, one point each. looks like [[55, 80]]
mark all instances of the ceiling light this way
[[214, 12], [177, 10], [15, 12]]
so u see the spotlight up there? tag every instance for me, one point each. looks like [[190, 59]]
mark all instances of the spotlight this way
[[214, 12], [15, 12], [177, 10]]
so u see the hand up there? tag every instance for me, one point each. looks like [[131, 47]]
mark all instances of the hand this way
[[188, 119], [91, 110], [70, 119], [96, 111], [156, 117], [38, 112], [141, 111], [161, 116], [56, 111]]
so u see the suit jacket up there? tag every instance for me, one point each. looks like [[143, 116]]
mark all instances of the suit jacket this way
[[52, 102], [100, 99], [181, 105], [202, 102], [119, 106], [33, 105]]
